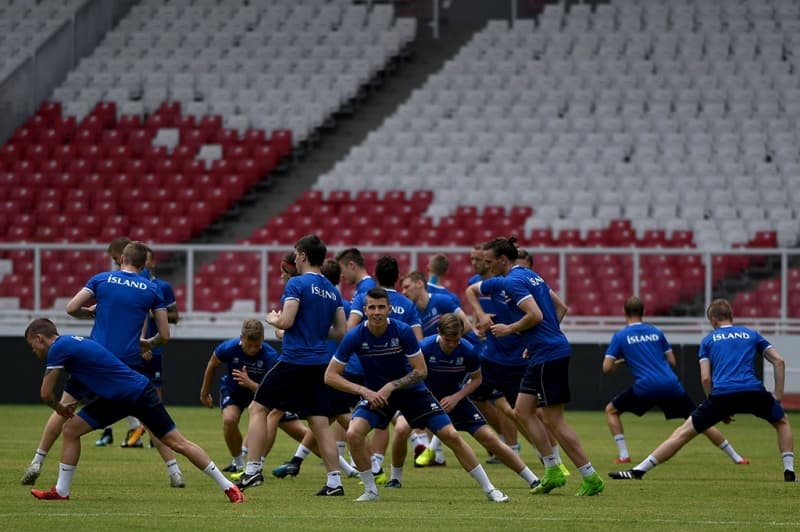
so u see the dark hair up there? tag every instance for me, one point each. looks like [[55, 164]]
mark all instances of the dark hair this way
[[350, 255], [314, 249], [524, 255], [41, 326], [387, 271], [634, 306], [288, 264], [118, 244], [377, 293], [504, 247], [720, 309], [332, 271]]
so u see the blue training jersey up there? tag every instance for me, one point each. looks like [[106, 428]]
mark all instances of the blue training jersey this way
[[643, 347], [403, 309], [732, 351], [230, 353], [124, 301], [545, 341], [446, 372], [508, 350], [384, 357], [96, 367], [438, 304], [305, 342], [433, 288]]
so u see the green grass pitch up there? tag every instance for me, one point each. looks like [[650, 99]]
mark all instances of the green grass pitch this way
[[128, 489]]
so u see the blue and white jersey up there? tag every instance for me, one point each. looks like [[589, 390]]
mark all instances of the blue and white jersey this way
[[508, 350], [545, 341], [96, 367], [230, 353], [403, 309], [124, 301], [305, 342], [384, 358], [439, 289], [732, 351], [353, 365], [168, 296], [446, 372], [438, 304], [643, 347], [363, 286]]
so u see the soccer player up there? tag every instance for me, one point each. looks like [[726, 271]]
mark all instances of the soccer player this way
[[646, 351], [727, 357], [393, 370], [430, 307], [120, 391], [247, 359], [312, 312], [354, 271], [452, 361], [387, 272], [537, 312], [124, 301]]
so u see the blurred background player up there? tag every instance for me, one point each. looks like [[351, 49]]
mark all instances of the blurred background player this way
[[648, 355], [354, 270]]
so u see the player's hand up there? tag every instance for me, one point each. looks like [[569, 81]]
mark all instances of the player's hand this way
[[728, 419], [273, 317], [66, 411], [375, 399], [501, 330], [147, 355], [485, 323], [448, 403], [241, 377], [207, 400], [279, 334]]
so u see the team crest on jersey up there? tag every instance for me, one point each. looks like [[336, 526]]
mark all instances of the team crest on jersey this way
[[364, 346], [235, 360], [460, 361], [78, 338], [395, 342], [434, 406]]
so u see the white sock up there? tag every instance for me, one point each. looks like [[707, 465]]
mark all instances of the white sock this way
[[346, 467], [65, 475], [251, 468], [377, 463], [133, 423], [516, 447], [728, 449], [528, 476], [213, 471], [439, 459], [423, 439], [557, 453], [435, 444], [39, 457], [483, 479], [342, 446], [334, 479], [302, 452], [368, 480], [647, 464], [788, 460], [550, 461], [172, 467], [622, 447], [587, 470], [239, 460], [397, 473]]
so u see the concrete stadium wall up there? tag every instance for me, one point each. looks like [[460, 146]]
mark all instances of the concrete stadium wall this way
[[185, 361]]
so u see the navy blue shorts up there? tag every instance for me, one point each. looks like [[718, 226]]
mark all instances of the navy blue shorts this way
[[549, 382], [504, 379], [419, 407], [343, 402], [674, 407], [153, 369], [239, 396], [148, 408], [295, 388], [466, 417], [717, 407]]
